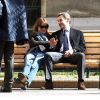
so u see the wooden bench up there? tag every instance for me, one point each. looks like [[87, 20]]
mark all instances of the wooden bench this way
[[92, 53]]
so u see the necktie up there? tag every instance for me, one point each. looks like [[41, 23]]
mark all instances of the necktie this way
[[65, 41]]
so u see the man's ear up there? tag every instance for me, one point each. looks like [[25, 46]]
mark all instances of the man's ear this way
[[68, 20]]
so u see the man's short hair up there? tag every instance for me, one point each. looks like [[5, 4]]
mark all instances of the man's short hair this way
[[65, 15]]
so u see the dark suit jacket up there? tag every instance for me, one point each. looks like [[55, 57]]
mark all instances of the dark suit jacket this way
[[13, 24], [76, 40]]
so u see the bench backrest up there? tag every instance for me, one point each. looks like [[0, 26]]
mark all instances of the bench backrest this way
[[92, 45]]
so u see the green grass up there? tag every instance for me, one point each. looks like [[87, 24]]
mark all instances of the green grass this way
[[1, 74], [61, 73]]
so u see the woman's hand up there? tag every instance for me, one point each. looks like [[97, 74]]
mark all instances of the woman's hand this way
[[53, 42]]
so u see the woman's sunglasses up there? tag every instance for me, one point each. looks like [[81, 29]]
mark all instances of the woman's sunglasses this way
[[44, 26]]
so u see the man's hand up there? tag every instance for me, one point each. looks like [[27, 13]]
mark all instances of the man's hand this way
[[68, 53]]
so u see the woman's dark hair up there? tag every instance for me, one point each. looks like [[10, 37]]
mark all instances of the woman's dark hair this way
[[40, 21]]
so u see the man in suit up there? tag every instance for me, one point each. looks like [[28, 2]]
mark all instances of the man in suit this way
[[13, 28], [68, 47]]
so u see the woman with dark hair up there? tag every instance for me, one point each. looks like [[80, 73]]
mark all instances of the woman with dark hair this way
[[39, 44]]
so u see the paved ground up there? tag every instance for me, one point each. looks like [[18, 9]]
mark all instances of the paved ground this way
[[51, 94]]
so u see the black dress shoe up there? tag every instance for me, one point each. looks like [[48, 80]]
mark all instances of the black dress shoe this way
[[81, 86], [5, 89], [48, 86]]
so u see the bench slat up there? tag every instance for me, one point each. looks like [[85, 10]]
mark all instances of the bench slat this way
[[92, 39], [93, 45], [20, 51], [92, 56], [89, 64], [93, 51], [91, 34]]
